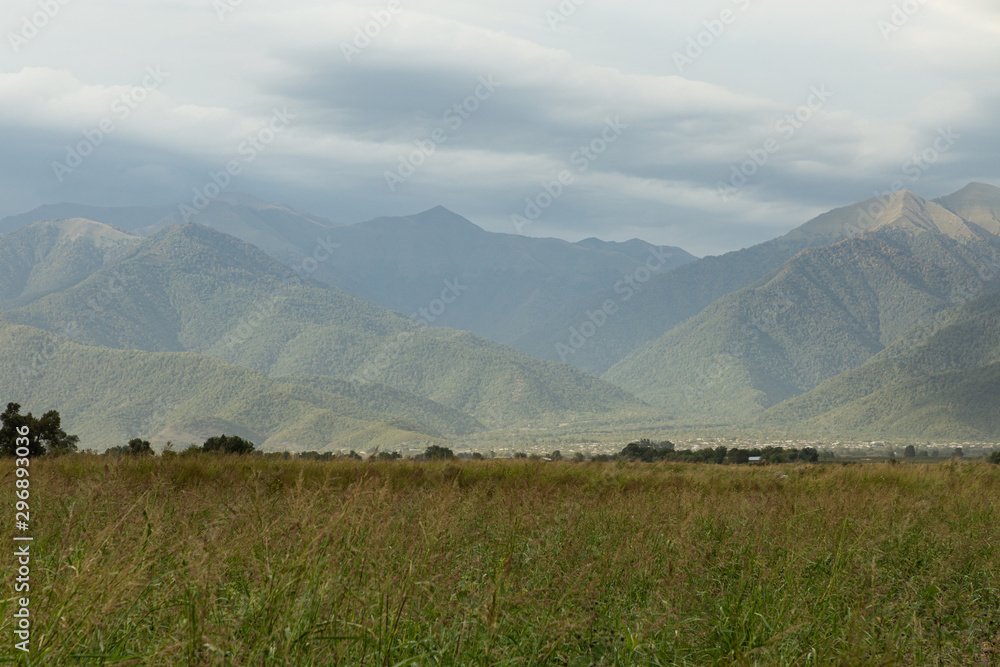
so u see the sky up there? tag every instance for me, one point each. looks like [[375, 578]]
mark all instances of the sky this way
[[711, 125]]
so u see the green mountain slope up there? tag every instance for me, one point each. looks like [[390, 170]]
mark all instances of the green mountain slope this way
[[645, 311], [108, 396], [194, 289], [49, 256], [960, 340], [827, 310], [958, 405]]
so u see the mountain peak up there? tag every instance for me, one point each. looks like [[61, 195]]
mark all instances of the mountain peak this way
[[913, 213], [978, 203], [438, 219], [976, 189], [242, 199]]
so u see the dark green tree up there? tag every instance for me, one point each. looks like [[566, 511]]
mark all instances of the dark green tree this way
[[994, 458], [45, 435], [140, 447], [910, 452], [228, 444], [737, 455], [437, 453]]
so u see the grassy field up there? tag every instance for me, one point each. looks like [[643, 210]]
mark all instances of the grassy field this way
[[208, 560]]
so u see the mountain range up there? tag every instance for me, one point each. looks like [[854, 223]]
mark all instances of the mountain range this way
[[505, 283], [879, 318], [825, 311], [191, 289]]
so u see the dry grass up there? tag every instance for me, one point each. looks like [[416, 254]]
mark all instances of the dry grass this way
[[208, 560]]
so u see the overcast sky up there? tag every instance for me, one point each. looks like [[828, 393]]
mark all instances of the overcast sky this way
[[692, 90]]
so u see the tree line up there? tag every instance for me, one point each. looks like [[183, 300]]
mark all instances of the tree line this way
[[648, 451]]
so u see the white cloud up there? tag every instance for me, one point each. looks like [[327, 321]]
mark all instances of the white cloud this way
[[558, 86]]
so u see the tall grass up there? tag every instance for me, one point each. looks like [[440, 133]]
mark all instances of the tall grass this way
[[229, 561]]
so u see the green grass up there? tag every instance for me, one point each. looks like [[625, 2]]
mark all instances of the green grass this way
[[215, 561]]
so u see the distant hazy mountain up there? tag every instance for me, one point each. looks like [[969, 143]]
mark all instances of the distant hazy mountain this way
[[280, 231], [496, 285], [827, 310], [128, 218], [45, 257], [505, 283], [191, 288], [109, 396]]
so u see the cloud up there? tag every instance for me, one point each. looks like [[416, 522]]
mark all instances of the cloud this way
[[357, 117]]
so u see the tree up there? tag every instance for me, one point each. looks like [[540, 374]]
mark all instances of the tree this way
[[139, 447], [228, 444], [45, 435], [437, 453], [910, 452], [647, 451], [994, 458], [959, 453], [737, 455]]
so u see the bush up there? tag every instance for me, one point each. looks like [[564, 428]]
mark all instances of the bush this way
[[994, 458]]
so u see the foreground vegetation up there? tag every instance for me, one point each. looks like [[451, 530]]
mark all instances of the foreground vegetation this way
[[255, 560]]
